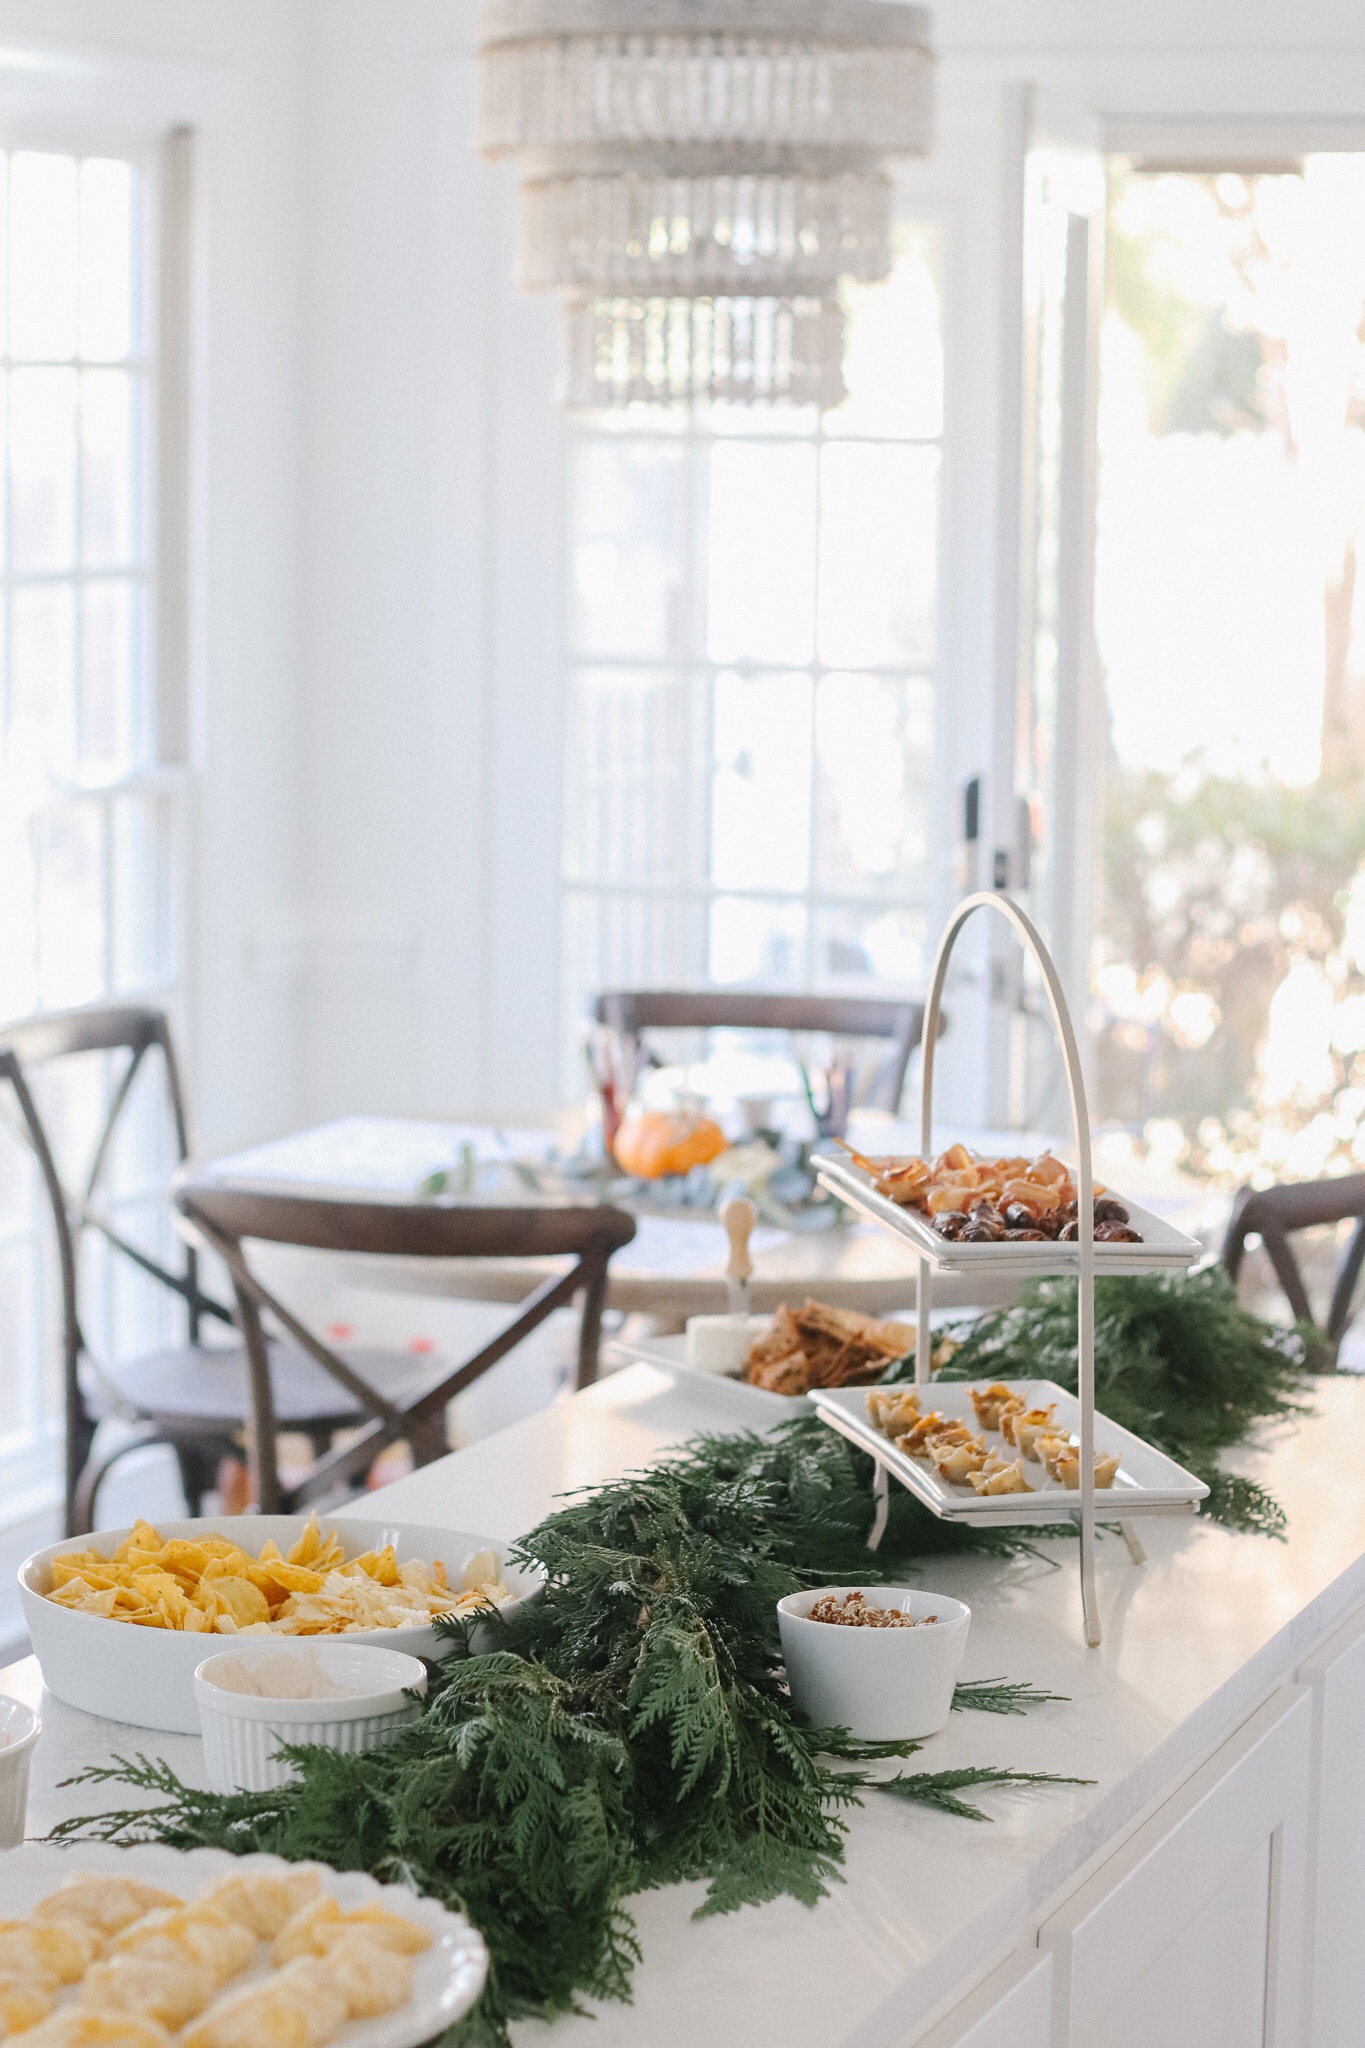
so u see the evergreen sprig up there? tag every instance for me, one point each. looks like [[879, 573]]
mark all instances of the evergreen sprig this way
[[1177, 1360]]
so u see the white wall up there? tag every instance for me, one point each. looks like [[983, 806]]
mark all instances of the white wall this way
[[428, 945]]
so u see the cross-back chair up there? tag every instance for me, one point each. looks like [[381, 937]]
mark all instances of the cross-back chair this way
[[1275, 1214], [391, 1395], [107, 1386], [632, 1012]]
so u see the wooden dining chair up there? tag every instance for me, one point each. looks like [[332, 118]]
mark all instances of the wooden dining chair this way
[[94, 1388], [1275, 1214], [191, 1396], [632, 1012], [390, 1395]]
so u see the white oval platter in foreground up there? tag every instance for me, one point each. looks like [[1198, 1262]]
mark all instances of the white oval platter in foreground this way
[[446, 1982]]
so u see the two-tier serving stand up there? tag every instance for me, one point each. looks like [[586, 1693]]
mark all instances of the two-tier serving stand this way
[[1162, 1248]]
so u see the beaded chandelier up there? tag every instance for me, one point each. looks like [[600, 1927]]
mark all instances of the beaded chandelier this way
[[697, 178]]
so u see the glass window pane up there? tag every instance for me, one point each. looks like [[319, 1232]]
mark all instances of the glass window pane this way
[[42, 469], [70, 904], [622, 939], [628, 548], [761, 943], [42, 256], [877, 555], [760, 805], [893, 358], [108, 707], [42, 703], [874, 763], [761, 552], [855, 944], [625, 797], [107, 275], [107, 473]]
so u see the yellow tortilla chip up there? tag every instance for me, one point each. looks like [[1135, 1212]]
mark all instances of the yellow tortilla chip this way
[[236, 1597], [380, 1565]]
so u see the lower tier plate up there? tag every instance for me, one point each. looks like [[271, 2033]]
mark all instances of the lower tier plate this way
[[1147, 1481]]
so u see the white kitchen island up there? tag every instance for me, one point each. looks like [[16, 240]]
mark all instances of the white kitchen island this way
[[1208, 1888]]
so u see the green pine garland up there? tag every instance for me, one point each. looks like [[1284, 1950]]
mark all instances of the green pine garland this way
[[631, 1730]]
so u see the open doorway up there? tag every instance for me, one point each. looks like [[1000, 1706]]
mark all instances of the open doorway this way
[[1228, 963]]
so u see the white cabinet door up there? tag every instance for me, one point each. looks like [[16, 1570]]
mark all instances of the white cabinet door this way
[[1336, 1868], [1012, 2008], [1193, 1930]]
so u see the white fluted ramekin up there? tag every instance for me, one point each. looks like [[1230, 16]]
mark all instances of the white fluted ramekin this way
[[242, 1732], [19, 1731]]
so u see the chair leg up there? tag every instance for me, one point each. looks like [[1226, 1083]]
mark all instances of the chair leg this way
[[427, 1437], [590, 1327], [1340, 1312], [198, 1474]]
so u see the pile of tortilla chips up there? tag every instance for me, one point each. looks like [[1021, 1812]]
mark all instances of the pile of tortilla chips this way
[[210, 1586]]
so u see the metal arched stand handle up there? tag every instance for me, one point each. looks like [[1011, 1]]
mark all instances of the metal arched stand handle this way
[[989, 899]]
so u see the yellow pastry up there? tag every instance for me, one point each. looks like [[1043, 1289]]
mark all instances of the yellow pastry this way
[[262, 1900], [200, 1932], [301, 2006], [48, 1951], [105, 1903], [23, 2003], [319, 1927], [169, 1990], [75, 2027], [372, 1979]]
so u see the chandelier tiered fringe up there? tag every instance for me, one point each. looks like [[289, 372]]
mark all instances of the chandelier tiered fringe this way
[[698, 176]]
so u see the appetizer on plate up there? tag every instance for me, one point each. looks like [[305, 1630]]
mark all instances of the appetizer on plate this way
[[972, 1200], [819, 1346], [963, 1458], [138, 1965]]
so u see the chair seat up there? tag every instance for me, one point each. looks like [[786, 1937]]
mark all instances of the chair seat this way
[[205, 1386]]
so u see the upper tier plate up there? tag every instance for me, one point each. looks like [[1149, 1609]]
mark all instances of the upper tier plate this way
[[1162, 1249]]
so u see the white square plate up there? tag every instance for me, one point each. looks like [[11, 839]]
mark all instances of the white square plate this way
[[1162, 1247], [1147, 1481]]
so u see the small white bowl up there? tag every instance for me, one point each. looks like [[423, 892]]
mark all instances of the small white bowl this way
[[19, 1731], [242, 1730], [882, 1684], [146, 1675]]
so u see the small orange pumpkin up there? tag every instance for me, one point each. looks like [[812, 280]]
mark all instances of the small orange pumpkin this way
[[658, 1141]]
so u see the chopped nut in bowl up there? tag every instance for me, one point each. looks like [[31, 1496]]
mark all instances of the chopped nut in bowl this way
[[881, 1661]]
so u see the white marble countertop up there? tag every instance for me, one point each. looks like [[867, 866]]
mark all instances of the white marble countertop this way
[[1192, 1641]]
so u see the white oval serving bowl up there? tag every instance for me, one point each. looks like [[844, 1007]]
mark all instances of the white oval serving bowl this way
[[882, 1684], [242, 1731], [146, 1675], [19, 1731]]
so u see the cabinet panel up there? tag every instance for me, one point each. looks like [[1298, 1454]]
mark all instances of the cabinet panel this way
[[1336, 1877], [1209, 1985], [1201, 1911], [1012, 2008]]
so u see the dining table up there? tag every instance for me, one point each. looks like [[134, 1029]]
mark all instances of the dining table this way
[[673, 1268], [1199, 1722]]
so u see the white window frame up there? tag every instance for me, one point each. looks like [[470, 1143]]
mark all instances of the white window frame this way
[[31, 1443]]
